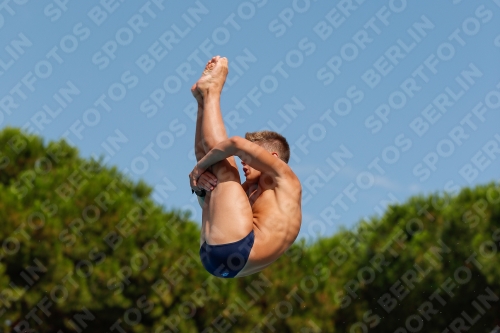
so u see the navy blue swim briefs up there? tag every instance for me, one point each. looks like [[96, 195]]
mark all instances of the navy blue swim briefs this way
[[226, 260]]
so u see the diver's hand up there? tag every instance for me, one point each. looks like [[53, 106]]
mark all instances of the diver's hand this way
[[202, 180]]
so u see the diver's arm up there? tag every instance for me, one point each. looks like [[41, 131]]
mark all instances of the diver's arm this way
[[249, 152]]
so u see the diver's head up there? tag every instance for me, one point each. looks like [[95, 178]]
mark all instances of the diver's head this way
[[274, 143]]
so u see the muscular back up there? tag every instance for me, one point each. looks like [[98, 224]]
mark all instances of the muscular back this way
[[277, 216]]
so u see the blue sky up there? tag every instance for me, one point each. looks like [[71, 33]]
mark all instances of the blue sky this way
[[380, 100]]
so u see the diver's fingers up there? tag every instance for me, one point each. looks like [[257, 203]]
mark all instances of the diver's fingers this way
[[204, 184], [211, 177]]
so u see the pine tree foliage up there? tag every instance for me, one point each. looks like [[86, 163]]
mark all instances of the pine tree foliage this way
[[86, 249]]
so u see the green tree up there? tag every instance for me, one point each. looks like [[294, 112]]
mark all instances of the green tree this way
[[84, 248]]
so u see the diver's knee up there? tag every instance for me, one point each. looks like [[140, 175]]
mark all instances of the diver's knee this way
[[226, 171]]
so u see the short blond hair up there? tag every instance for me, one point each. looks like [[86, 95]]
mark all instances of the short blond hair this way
[[272, 142]]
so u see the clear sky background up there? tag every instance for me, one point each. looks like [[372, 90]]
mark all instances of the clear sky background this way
[[380, 100]]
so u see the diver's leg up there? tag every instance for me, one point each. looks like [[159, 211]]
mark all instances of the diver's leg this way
[[210, 86], [199, 152], [229, 214], [199, 148]]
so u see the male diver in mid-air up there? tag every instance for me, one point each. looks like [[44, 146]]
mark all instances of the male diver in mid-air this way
[[245, 227]]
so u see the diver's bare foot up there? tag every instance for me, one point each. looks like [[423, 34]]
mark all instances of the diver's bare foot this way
[[214, 76], [194, 89], [197, 94]]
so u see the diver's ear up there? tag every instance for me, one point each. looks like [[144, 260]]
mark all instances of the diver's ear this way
[[275, 154]]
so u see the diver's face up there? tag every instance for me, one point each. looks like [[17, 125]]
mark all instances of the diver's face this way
[[252, 175]]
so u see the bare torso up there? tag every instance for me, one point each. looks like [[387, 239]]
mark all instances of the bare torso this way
[[277, 218]]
